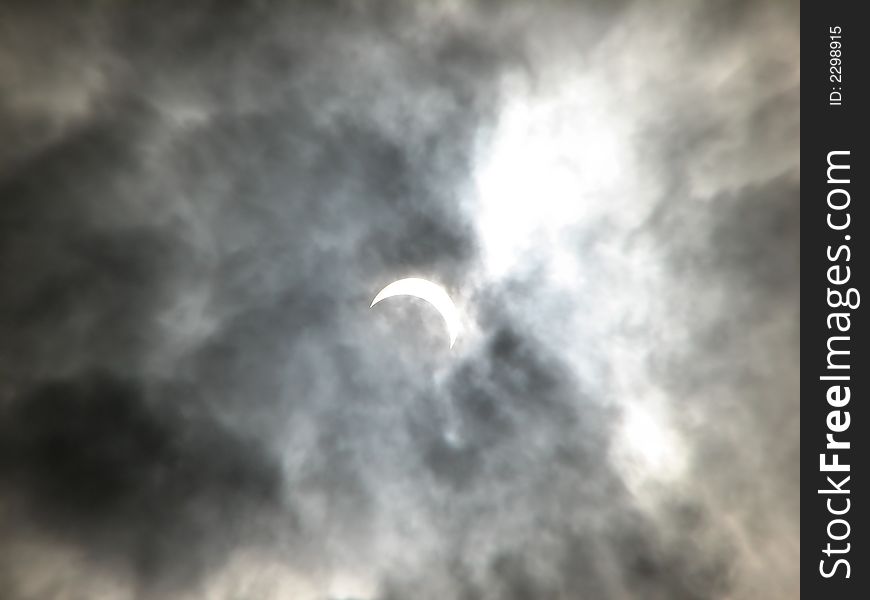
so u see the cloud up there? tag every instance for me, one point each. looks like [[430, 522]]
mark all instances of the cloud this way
[[90, 460], [197, 401]]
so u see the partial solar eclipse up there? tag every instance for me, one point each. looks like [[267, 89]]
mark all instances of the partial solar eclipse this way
[[432, 293]]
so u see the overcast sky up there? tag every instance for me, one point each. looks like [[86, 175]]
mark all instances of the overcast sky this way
[[198, 202]]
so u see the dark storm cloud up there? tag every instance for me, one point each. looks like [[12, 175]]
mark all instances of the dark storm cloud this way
[[78, 290], [93, 460], [257, 220], [195, 396]]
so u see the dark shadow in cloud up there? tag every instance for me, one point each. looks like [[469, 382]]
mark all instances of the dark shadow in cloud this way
[[93, 459], [81, 288]]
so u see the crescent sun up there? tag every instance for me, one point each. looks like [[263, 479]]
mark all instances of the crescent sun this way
[[432, 293]]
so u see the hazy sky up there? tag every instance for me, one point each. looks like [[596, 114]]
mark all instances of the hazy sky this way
[[198, 202]]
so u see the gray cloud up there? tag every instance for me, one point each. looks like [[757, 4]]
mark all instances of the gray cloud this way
[[201, 201]]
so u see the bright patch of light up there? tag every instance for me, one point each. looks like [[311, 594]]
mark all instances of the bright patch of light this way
[[649, 449], [552, 160]]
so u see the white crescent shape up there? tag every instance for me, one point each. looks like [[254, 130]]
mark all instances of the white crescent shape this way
[[432, 293]]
